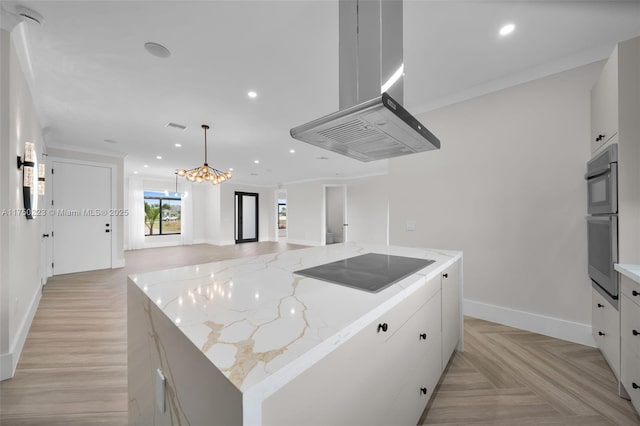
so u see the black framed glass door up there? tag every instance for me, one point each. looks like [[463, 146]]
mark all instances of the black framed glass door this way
[[246, 214]]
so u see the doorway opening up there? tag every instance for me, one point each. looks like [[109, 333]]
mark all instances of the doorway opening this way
[[335, 214], [281, 215], [246, 214]]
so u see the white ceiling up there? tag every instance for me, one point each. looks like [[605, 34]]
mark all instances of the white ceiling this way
[[93, 80]]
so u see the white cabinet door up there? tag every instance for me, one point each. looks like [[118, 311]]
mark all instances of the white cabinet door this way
[[630, 349], [417, 347], [82, 232], [450, 312], [604, 104]]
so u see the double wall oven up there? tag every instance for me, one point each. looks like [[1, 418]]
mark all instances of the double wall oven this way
[[602, 222]]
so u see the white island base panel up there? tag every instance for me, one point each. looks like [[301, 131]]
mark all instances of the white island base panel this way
[[246, 341]]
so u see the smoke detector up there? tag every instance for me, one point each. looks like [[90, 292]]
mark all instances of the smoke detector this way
[[29, 15]]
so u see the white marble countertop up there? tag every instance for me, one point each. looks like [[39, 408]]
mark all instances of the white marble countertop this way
[[630, 271], [260, 324]]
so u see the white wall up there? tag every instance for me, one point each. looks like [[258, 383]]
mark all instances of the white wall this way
[[20, 247], [367, 209], [507, 188], [367, 201], [304, 213]]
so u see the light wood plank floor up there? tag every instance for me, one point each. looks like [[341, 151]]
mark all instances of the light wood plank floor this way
[[73, 366], [511, 377]]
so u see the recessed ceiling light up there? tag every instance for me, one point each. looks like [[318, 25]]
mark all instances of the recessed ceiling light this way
[[292, 151], [157, 50], [135, 172], [158, 157], [507, 29], [256, 161], [110, 141], [323, 158], [145, 166], [253, 174], [230, 169], [177, 145], [252, 94]]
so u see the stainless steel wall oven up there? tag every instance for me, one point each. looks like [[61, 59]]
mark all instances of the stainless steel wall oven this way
[[602, 222]]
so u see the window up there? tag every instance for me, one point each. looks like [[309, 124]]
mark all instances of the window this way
[[162, 213], [282, 216]]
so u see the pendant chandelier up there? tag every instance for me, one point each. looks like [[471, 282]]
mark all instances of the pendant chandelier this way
[[205, 172]]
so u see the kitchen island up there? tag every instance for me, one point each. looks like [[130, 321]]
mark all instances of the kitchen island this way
[[248, 341]]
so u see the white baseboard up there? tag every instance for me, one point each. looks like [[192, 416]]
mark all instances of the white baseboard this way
[[554, 327], [9, 361], [304, 242], [221, 242]]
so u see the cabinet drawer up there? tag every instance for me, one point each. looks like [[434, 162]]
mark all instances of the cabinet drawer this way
[[397, 316], [606, 330], [630, 326], [630, 288]]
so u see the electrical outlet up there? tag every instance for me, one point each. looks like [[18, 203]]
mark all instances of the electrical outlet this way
[[411, 225]]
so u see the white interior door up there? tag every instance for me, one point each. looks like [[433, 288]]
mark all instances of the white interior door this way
[[46, 225], [81, 225]]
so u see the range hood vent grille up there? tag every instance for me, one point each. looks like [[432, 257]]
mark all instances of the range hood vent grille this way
[[352, 131]]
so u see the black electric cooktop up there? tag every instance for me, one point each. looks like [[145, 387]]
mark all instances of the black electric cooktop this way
[[370, 272]]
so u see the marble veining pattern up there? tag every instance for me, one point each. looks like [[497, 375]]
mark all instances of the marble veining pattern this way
[[255, 319]]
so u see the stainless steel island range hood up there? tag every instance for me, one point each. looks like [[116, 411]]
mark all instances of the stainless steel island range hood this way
[[371, 123]]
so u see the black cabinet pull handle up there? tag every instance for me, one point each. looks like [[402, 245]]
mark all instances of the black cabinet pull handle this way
[[600, 333], [445, 275], [600, 305], [635, 385], [423, 336], [635, 332], [424, 390], [383, 327], [635, 293]]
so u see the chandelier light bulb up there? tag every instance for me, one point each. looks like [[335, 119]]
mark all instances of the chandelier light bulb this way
[[182, 172]]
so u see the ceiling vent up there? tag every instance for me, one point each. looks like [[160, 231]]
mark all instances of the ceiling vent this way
[[29, 15], [177, 126]]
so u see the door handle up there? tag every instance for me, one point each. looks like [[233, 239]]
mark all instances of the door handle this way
[[106, 230], [45, 235], [383, 327], [423, 336], [600, 333]]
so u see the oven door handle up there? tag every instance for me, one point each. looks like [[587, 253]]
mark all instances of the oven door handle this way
[[598, 172]]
